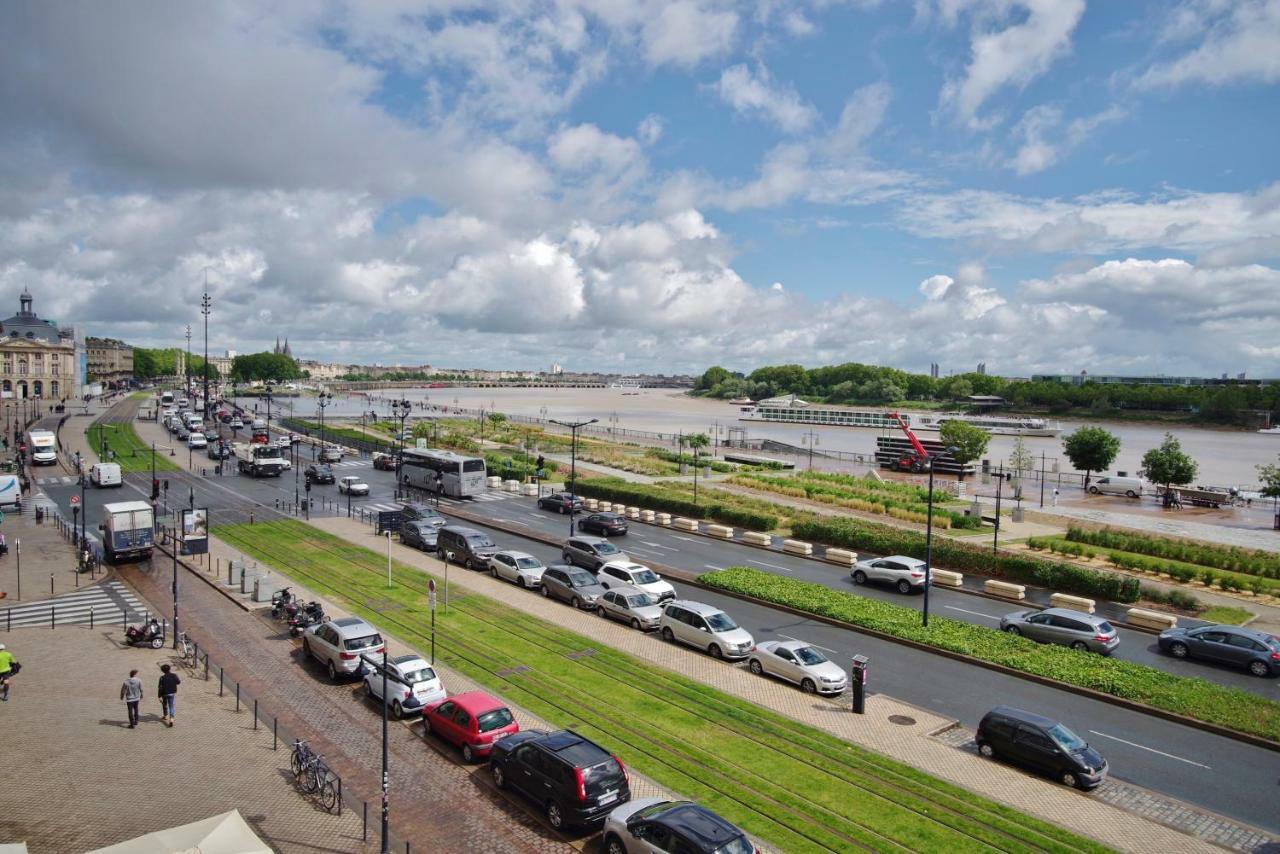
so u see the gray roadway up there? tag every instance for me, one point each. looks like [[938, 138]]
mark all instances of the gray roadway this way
[[1211, 771]]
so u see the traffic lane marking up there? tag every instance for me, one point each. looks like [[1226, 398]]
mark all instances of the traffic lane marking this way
[[686, 539], [659, 546], [774, 565], [975, 613], [712, 566], [1150, 749]]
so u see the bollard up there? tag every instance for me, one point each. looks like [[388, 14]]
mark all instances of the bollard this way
[[255, 712], [275, 734], [51, 582], [237, 698], [53, 622], [77, 580], [90, 617], [221, 680], [364, 834], [206, 667]]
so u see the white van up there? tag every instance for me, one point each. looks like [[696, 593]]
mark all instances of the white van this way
[[10, 490], [44, 447], [105, 474], [1130, 486]]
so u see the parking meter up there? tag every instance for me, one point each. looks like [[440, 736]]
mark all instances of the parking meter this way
[[859, 680]]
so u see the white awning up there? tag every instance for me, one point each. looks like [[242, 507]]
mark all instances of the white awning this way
[[227, 833]]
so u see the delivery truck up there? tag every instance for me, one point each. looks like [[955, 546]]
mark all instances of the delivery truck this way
[[128, 530]]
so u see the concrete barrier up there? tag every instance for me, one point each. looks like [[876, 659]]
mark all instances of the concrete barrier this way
[[946, 577], [511, 486], [528, 489], [647, 516], [797, 547], [591, 504], [617, 508], [723, 531], [844, 557], [663, 518], [1075, 603], [685, 524], [756, 538], [1150, 619], [1004, 589], [494, 483], [633, 512]]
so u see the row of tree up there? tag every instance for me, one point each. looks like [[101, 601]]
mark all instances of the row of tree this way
[[264, 367], [873, 384], [163, 362]]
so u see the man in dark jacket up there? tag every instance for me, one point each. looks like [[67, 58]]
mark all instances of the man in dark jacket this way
[[168, 693]]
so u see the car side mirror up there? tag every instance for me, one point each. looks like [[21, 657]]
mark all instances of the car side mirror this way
[[102, 527]]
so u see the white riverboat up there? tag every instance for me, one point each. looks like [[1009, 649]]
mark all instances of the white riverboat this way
[[1004, 425], [1271, 431], [793, 410]]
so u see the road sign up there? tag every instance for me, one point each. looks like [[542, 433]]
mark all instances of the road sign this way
[[431, 593], [75, 499]]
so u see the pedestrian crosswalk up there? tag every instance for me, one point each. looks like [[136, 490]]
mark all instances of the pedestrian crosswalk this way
[[64, 480], [107, 602], [444, 501]]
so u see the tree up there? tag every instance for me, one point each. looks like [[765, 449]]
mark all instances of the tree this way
[[697, 441], [711, 378], [960, 389], [1168, 464], [1270, 477], [969, 442], [1020, 459], [1091, 449]]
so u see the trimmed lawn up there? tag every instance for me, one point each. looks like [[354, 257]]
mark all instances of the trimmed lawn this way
[[796, 787], [1226, 614], [131, 453]]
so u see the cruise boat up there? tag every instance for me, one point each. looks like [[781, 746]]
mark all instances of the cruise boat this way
[[1005, 425], [630, 385], [1271, 431], [791, 409]]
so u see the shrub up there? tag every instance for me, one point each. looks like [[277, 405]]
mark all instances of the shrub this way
[[664, 500], [1233, 558]]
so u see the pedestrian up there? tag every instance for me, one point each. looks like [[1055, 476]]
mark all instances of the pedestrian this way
[[168, 692], [1055, 496], [9, 668], [131, 693]]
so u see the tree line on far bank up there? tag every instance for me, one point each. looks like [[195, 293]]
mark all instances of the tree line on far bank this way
[[854, 383], [250, 367]]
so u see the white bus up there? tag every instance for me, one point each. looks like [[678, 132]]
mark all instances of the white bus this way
[[44, 447], [166, 398], [460, 476]]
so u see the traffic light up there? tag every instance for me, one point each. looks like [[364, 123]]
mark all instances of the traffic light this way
[[155, 488]]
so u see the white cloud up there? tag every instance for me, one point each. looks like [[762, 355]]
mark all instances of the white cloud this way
[[586, 147], [650, 129], [1240, 45], [861, 116], [1038, 151], [755, 93]]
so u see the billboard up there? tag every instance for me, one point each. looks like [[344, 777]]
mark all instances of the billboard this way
[[195, 531]]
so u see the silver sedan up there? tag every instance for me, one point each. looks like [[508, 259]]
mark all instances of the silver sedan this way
[[798, 662]]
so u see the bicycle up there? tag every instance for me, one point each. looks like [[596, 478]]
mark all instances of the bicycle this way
[[188, 647], [301, 757]]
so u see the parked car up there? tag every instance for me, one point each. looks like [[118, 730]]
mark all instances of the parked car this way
[[330, 454], [411, 684], [1075, 629], [473, 721], [284, 443], [905, 573], [705, 627], [562, 502], [1040, 743], [384, 462], [1257, 652], [415, 512], [575, 781], [630, 605], [467, 546], [570, 584], [621, 573], [320, 473], [1127, 486], [652, 825], [800, 663], [420, 535], [218, 451], [352, 485], [591, 552], [524, 569], [338, 645], [197, 440], [604, 524]]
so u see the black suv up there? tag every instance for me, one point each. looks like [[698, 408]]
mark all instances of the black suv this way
[[1042, 744], [560, 501], [603, 524], [320, 474], [576, 781]]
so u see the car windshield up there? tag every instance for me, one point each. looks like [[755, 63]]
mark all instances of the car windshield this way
[[640, 600], [496, 719], [479, 541], [809, 655], [645, 576], [581, 579], [720, 622], [1066, 739], [422, 674], [607, 549], [528, 563], [365, 642]]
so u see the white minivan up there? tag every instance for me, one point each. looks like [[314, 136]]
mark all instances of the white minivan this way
[[1130, 486], [105, 474]]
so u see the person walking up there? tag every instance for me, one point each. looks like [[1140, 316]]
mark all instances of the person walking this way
[[168, 692], [1055, 496], [8, 669], [131, 693]]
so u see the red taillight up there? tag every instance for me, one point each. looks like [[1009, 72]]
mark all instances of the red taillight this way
[[1102, 638], [1275, 656], [626, 778], [347, 656], [582, 785]]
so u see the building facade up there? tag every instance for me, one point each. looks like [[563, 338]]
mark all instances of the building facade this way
[[108, 361], [37, 359]]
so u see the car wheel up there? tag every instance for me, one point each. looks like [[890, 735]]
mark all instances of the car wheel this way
[[667, 634], [986, 750], [468, 755], [808, 687], [635, 624], [520, 581], [546, 593], [1259, 668], [555, 818], [397, 711], [333, 672], [1069, 778], [157, 642], [493, 570], [563, 510], [426, 726], [1093, 490], [565, 557], [468, 564], [1178, 650], [306, 648], [904, 586], [1013, 630], [1080, 646], [577, 603], [613, 845], [1131, 494], [600, 611], [440, 554], [859, 577], [499, 777], [755, 667], [716, 651]]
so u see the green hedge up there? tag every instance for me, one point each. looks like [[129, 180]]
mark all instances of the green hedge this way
[[1196, 698], [512, 468], [848, 487], [662, 500], [1233, 558], [687, 459], [882, 539]]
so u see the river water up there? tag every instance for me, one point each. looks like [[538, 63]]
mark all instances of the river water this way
[[1226, 457]]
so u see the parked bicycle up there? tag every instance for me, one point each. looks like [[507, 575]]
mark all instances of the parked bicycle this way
[[188, 647], [313, 776]]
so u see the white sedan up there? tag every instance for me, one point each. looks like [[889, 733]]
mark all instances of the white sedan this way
[[197, 440], [352, 485], [798, 662], [615, 574], [524, 569], [411, 684]]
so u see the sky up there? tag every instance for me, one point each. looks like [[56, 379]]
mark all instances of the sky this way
[[1046, 186]]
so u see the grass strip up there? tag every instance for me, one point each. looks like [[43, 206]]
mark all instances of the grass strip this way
[[752, 776], [131, 452], [1195, 698]]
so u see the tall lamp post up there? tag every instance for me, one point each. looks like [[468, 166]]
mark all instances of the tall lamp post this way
[[574, 427], [186, 366], [928, 540], [205, 303], [400, 409], [322, 402], [267, 395]]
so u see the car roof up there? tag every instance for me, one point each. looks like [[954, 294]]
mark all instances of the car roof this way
[[904, 559], [477, 702], [514, 553], [1092, 619], [352, 626], [696, 607], [628, 565], [461, 529], [591, 540], [792, 645], [408, 659], [573, 748], [1023, 716], [626, 590], [706, 828]]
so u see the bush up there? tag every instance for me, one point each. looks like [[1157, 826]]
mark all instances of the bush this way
[[667, 501], [1232, 558], [1228, 707], [1176, 598], [881, 539]]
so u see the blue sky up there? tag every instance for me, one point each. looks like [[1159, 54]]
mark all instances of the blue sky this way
[[1043, 185]]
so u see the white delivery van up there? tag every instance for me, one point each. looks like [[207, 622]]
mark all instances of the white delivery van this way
[[1130, 486], [106, 474], [10, 490], [43, 447]]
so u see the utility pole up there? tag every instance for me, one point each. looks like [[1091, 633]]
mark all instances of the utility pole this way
[[1042, 480], [995, 536], [205, 303], [573, 465], [186, 367]]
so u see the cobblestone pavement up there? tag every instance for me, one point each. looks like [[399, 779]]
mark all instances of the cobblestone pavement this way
[[48, 559], [77, 778]]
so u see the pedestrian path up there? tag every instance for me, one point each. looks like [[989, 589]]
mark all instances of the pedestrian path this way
[[108, 602]]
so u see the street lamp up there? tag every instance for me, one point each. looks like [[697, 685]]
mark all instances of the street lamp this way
[[186, 366], [267, 395], [928, 539], [323, 401], [573, 426], [205, 303], [400, 409]]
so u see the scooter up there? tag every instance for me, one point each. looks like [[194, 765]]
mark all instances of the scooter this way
[[280, 600], [150, 633], [305, 618]]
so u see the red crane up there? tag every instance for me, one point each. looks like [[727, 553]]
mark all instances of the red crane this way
[[910, 462]]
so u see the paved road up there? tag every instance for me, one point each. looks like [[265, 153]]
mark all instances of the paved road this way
[[1213, 772]]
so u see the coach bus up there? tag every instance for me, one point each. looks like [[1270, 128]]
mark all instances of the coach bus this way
[[460, 476]]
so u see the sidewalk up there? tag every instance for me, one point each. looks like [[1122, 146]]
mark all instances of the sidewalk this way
[[45, 560]]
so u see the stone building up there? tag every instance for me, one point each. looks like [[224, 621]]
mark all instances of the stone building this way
[[109, 361], [37, 359]]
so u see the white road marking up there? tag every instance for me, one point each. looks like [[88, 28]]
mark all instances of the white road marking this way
[[659, 546], [686, 539], [1151, 749], [975, 613], [774, 565], [635, 551], [826, 649], [716, 568]]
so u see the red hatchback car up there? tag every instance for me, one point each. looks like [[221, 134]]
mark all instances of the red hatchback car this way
[[473, 721]]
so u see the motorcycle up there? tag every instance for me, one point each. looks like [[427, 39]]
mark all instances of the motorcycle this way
[[309, 615], [280, 601], [150, 633]]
